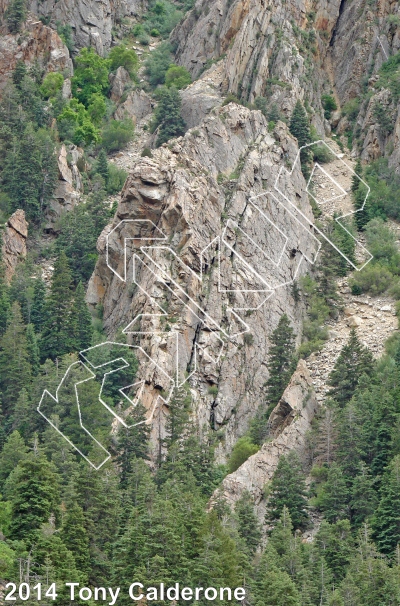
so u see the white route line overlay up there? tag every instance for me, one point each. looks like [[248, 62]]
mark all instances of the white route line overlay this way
[[269, 290], [283, 170]]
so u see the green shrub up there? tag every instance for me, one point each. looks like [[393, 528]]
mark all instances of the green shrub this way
[[157, 64], [121, 56], [117, 134], [161, 17], [383, 200], [74, 124], [90, 76], [51, 84], [213, 390], [144, 39], [374, 279], [381, 243], [155, 33], [168, 115], [116, 178], [231, 98], [384, 119], [138, 29], [146, 153], [351, 108], [321, 154], [329, 105], [242, 450], [248, 339], [177, 76], [65, 33]]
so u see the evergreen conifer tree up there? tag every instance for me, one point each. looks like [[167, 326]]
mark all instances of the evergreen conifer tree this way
[[75, 537], [34, 496], [38, 304], [300, 128], [56, 337], [168, 115], [248, 526], [281, 363], [15, 368], [353, 361], [132, 442], [387, 518], [14, 451], [288, 490], [33, 349], [334, 497], [102, 165], [80, 321], [22, 416], [359, 193], [16, 14]]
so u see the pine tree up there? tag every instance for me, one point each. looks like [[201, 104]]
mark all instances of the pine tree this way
[[288, 489], [179, 407], [353, 361], [248, 526], [38, 304], [132, 443], [16, 14], [15, 368], [300, 128], [22, 416], [281, 363], [336, 542], [102, 165], [387, 517], [56, 339], [273, 114], [75, 537], [359, 193], [33, 349], [19, 73], [384, 421], [13, 452], [80, 321], [168, 115], [34, 496], [334, 497]]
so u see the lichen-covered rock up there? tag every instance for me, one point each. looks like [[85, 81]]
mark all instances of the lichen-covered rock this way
[[14, 242]]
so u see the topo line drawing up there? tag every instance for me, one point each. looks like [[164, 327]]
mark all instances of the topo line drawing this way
[[147, 259]]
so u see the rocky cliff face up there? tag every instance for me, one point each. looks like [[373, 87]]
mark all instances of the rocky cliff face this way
[[258, 45], [91, 21], [289, 423], [38, 43], [201, 250]]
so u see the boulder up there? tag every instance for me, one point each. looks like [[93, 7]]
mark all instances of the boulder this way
[[118, 82], [137, 106], [198, 100]]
